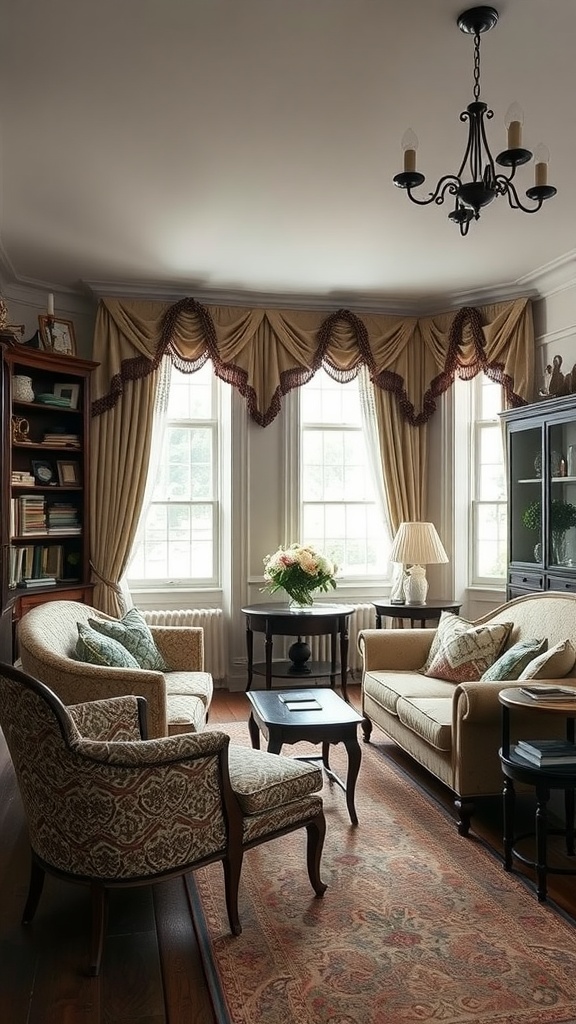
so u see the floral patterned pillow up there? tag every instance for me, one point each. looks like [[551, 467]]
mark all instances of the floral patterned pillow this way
[[462, 653]]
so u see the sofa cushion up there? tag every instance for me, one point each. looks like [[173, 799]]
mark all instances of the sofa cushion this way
[[513, 661], [428, 717], [462, 652], [134, 634], [554, 663], [388, 687], [96, 649]]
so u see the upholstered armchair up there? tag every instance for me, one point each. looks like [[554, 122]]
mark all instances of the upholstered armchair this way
[[106, 807], [178, 699]]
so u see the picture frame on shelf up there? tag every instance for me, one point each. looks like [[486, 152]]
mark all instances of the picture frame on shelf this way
[[43, 472], [68, 473], [57, 335], [70, 391]]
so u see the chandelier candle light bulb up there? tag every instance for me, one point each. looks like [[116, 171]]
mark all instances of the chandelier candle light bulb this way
[[409, 146], [514, 120], [50, 305], [541, 159]]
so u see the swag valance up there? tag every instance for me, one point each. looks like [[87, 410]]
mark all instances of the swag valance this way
[[264, 353]]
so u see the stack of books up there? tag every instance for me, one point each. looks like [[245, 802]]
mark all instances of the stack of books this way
[[63, 517], [22, 478], [547, 692], [62, 440], [548, 753]]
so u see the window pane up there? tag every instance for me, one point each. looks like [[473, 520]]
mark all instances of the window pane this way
[[338, 514]]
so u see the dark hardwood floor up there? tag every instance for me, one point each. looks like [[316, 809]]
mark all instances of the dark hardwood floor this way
[[151, 972]]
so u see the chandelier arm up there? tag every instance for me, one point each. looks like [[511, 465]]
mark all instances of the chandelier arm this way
[[448, 183], [513, 198]]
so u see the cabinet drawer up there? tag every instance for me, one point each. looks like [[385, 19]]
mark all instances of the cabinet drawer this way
[[561, 583], [527, 580]]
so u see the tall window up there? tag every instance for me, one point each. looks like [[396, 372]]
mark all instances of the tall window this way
[[179, 537], [488, 504], [338, 510]]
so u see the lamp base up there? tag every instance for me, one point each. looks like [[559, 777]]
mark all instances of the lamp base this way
[[416, 585]]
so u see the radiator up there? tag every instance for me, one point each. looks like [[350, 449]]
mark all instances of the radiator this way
[[363, 617], [212, 622]]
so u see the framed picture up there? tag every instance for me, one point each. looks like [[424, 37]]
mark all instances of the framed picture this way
[[68, 474], [71, 391], [43, 472], [57, 335]]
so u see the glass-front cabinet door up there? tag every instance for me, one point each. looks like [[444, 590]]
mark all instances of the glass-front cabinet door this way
[[541, 451], [525, 495]]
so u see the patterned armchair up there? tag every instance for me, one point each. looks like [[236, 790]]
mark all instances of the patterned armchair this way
[[106, 807]]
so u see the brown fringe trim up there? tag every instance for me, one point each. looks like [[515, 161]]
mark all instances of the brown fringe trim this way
[[140, 366]]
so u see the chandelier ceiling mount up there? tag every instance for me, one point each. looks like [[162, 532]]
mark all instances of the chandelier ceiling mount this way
[[477, 182]]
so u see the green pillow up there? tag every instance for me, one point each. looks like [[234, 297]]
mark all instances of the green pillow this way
[[96, 649], [134, 634], [512, 663]]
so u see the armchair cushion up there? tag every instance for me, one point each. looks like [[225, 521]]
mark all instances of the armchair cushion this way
[[134, 634], [262, 781], [96, 649]]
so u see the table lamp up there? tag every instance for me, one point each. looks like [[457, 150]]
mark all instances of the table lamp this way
[[416, 545]]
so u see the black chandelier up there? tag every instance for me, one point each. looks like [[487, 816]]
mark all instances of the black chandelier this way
[[484, 183]]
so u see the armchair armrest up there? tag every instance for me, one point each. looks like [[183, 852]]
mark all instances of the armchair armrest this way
[[113, 720], [182, 647], [152, 753], [383, 649]]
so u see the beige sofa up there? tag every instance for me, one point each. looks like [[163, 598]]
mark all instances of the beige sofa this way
[[454, 730], [177, 701]]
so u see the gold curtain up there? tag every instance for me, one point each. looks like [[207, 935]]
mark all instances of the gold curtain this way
[[265, 353]]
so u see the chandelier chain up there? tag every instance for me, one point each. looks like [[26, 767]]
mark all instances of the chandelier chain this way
[[477, 66]]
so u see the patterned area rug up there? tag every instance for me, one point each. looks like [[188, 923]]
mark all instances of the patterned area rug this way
[[417, 925]]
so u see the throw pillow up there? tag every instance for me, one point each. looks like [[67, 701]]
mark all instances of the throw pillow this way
[[449, 625], [96, 649], [134, 633], [463, 656], [510, 664], [555, 663]]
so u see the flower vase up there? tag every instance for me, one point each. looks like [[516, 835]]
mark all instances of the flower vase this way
[[559, 548], [302, 601]]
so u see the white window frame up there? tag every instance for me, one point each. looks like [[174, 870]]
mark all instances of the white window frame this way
[[467, 447], [215, 424], [379, 576]]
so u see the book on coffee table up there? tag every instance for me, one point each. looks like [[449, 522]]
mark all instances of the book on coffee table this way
[[296, 697], [303, 705], [549, 692]]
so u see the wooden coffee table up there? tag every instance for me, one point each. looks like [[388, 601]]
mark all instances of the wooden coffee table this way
[[334, 721]]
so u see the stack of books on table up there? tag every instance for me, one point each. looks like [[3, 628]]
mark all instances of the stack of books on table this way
[[546, 692], [548, 753]]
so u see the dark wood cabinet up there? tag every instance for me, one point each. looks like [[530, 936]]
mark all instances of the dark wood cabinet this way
[[541, 455], [44, 483]]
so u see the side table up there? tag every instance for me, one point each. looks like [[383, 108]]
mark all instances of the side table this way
[[280, 620], [422, 613], [518, 769]]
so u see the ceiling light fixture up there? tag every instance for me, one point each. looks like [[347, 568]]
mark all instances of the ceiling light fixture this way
[[484, 182]]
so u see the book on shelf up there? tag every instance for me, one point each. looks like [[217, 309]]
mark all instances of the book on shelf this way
[[548, 748], [41, 581], [545, 692], [566, 760]]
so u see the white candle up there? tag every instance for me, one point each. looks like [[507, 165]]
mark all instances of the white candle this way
[[409, 160], [541, 174], [514, 135], [50, 304]]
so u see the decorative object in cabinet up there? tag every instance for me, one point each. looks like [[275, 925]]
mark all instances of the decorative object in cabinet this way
[[44, 479]]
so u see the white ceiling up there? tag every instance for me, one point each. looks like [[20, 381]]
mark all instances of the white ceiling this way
[[229, 147]]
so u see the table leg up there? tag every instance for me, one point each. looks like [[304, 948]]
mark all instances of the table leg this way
[[354, 758], [250, 653], [254, 732], [542, 797], [344, 656], [268, 653], [508, 837], [274, 741]]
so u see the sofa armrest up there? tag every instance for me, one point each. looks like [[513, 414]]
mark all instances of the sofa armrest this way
[[182, 647], [384, 649]]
